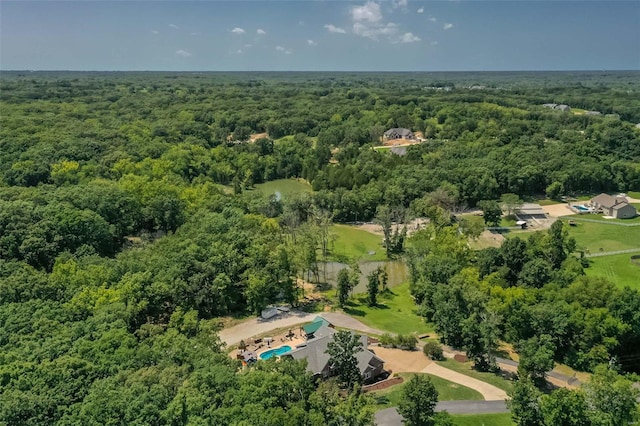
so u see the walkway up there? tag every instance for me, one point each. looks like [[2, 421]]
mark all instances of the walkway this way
[[391, 417], [489, 392]]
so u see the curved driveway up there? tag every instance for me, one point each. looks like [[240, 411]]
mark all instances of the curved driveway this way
[[391, 417]]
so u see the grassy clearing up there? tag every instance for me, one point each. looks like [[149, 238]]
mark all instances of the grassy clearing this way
[[284, 187], [447, 391], [466, 369], [501, 419], [508, 221], [396, 312], [634, 194], [618, 269], [597, 236], [352, 243]]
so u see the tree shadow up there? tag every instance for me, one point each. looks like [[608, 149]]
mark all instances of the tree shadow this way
[[354, 312]]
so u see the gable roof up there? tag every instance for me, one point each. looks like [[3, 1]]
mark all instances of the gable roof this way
[[317, 357], [399, 133], [606, 200], [622, 205]]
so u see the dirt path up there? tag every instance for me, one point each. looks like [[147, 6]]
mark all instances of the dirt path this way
[[259, 326], [557, 210], [399, 361], [489, 392]]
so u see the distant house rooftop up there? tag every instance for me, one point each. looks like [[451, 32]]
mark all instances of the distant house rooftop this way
[[398, 133], [531, 209]]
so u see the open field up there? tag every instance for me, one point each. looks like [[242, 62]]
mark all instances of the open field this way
[[395, 312], [597, 237], [284, 187], [447, 391], [617, 268], [501, 419], [601, 217], [353, 243], [634, 194], [466, 369]]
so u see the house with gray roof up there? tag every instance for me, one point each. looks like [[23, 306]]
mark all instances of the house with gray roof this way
[[398, 133], [318, 360], [614, 206]]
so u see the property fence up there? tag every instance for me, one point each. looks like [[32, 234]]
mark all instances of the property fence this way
[[607, 222], [611, 253]]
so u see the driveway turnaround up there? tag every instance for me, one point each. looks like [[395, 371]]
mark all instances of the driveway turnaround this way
[[489, 392], [391, 417], [259, 326]]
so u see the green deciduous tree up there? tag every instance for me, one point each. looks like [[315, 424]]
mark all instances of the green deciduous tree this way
[[342, 352], [418, 401]]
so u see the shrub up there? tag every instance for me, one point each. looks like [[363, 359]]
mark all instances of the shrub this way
[[433, 350]]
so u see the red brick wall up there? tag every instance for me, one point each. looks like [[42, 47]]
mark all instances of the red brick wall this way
[[383, 384]]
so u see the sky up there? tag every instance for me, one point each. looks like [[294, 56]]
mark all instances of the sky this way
[[317, 35]]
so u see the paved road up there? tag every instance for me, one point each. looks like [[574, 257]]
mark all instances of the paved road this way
[[567, 379], [259, 326], [489, 392], [390, 416]]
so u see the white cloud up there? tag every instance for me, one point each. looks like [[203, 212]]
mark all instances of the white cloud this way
[[260, 31], [434, 43], [237, 30], [400, 4], [409, 38], [283, 50], [333, 29], [432, 18], [248, 45], [183, 53], [448, 26], [155, 32], [370, 12], [174, 26], [239, 52], [195, 34], [311, 43], [421, 10], [374, 31]]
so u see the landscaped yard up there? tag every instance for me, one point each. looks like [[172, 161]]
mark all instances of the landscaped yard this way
[[501, 419], [597, 237], [396, 312], [618, 269], [466, 369], [284, 187], [352, 243], [447, 391]]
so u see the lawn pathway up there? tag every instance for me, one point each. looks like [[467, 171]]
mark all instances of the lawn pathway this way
[[489, 392]]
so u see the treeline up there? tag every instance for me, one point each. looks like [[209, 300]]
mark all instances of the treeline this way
[[530, 293]]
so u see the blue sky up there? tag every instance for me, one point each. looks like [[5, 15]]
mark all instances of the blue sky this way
[[394, 35]]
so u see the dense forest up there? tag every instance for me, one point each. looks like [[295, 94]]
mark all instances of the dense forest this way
[[129, 224]]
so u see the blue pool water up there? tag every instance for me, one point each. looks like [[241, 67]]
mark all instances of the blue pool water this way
[[581, 208], [275, 352]]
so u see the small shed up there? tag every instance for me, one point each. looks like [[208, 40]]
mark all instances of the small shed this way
[[532, 209]]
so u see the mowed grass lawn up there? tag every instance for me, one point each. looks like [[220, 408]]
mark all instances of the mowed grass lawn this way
[[351, 243], [284, 187], [447, 391], [466, 369], [395, 313], [597, 236], [619, 269], [501, 419]]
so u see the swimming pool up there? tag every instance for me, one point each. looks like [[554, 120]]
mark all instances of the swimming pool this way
[[275, 352], [581, 208]]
